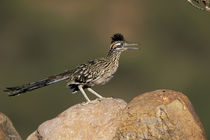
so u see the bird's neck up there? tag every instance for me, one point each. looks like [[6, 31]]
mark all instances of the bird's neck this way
[[114, 56]]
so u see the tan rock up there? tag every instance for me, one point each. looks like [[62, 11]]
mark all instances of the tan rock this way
[[96, 120], [7, 130], [161, 114]]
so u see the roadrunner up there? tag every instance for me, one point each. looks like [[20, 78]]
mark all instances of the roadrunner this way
[[85, 76]]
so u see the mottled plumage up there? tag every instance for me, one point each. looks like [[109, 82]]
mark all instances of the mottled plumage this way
[[85, 76]]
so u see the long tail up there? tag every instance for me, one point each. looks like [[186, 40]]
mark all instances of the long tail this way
[[13, 91]]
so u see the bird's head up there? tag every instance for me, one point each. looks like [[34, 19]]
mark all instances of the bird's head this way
[[119, 44]]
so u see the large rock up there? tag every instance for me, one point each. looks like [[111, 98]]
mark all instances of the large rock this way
[[97, 120], [157, 115], [161, 114], [7, 130]]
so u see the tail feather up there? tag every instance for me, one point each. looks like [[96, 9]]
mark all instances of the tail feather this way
[[13, 91]]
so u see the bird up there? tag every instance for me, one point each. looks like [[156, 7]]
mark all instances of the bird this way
[[85, 76]]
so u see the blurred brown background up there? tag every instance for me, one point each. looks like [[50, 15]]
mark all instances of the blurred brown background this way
[[41, 38]]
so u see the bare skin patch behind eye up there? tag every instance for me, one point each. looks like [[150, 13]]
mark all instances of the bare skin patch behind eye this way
[[115, 45]]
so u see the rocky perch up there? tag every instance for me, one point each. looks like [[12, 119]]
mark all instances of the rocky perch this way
[[7, 130], [161, 114]]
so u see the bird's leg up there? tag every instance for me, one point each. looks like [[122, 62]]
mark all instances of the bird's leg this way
[[83, 92], [95, 93]]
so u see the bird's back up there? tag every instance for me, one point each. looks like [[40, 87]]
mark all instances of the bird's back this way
[[94, 72]]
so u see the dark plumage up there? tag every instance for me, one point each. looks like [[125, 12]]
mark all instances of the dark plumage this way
[[117, 37], [85, 76]]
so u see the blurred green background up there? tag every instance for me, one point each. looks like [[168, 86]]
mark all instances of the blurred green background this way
[[41, 38]]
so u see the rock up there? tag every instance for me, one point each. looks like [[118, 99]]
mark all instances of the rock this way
[[7, 130], [96, 120], [161, 114]]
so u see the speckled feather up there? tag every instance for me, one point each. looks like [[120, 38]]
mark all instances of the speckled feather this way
[[95, 72]]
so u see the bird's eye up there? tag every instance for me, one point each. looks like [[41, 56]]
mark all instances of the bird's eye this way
[[116, 45]]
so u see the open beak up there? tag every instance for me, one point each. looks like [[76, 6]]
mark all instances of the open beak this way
[[130, 46]]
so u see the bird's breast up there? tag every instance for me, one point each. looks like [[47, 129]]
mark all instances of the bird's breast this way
[[107, 75]]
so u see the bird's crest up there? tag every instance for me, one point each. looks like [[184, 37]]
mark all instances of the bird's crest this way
[[117, 37]]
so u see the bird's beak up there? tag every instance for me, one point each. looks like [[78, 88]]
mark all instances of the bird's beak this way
[[130, 46]]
